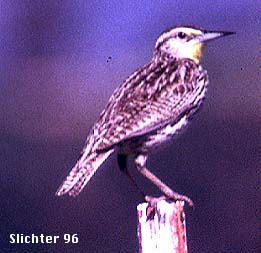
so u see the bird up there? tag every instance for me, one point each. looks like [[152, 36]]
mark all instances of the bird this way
[[149, 108]]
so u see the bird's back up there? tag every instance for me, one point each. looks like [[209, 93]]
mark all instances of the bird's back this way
[[156, 96]]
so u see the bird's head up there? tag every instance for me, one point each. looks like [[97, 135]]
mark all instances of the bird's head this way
[[185, 42]]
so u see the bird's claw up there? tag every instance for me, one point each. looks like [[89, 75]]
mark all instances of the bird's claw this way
[[171, 197]]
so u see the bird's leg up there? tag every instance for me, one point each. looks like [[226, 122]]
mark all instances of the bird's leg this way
[[140, 162], [122, 162]]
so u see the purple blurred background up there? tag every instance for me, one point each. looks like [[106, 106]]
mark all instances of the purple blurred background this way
[[61, 60]]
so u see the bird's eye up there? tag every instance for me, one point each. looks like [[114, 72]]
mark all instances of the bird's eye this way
[[181, 35]]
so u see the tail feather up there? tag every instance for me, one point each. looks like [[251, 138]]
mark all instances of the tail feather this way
[[82, 173]]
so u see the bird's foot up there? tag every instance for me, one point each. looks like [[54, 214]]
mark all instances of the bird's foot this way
[[171, 196], [177, 196], [152, 201], [152, 204]]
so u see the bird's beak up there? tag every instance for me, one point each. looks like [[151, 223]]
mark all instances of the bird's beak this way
[[210, 35]]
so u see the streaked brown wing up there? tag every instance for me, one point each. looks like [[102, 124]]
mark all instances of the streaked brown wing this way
[[150, 98]]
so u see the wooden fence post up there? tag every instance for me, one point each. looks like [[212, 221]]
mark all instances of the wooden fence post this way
[[161, 229]]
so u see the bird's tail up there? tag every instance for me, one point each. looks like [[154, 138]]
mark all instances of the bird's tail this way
[[82, 173]]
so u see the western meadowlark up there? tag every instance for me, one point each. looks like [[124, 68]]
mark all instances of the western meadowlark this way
[[152, 105]]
